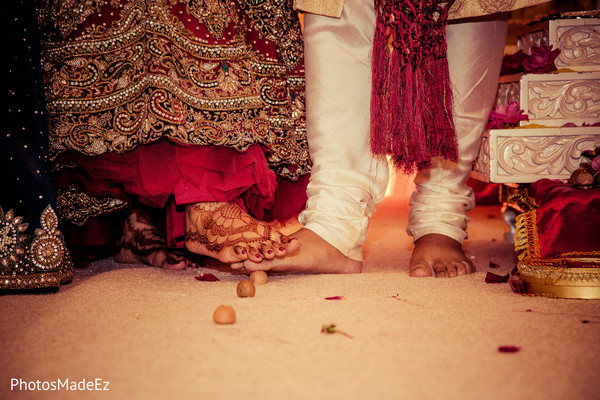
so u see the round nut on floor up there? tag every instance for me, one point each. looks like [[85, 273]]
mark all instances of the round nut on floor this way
[[245, 289], [259, 277], [224, 315]]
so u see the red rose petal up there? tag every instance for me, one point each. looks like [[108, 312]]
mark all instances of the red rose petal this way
[[207, 278], [509, 349], [335, 298]]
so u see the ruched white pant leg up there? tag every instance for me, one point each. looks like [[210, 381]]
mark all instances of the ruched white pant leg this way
[[347, 181], [441, 199]]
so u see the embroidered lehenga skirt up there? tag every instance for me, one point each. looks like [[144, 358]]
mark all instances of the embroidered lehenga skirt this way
[[164, 102]]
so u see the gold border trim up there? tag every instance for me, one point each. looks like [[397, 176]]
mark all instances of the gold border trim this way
[[36, 281], [551, 277]]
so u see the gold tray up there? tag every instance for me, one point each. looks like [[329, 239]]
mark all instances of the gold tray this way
[[570, 278]]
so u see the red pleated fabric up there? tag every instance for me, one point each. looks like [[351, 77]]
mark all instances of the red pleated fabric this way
[[164, 170]]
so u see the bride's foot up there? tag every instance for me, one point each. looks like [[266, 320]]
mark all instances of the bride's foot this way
[[225, 232], [142, 243], [315, 256], [440, 255]]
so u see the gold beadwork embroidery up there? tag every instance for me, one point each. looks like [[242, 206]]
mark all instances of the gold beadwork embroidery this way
[[216, 14], [28, 262], [47, 248], [78, 207], [12, 239], [147, 74]]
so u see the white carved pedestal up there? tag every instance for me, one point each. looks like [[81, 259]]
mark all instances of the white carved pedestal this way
[[557, 99], [577, 39], [525, 155], [544, 147], [513, 156]]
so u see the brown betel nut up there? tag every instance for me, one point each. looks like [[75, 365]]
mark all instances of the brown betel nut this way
[[224, 315], [245, 289], [259, 277]]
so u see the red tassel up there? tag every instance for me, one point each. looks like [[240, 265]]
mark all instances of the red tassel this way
[[380, 92], [411, 100]]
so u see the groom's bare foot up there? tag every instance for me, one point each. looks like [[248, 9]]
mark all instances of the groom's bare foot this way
[[440, 255], [225, 232], [314, 256]]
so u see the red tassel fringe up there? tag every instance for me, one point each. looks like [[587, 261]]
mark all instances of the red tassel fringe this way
[[411, 106]]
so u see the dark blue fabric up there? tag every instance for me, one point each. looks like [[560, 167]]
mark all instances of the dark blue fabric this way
[[24, 185]]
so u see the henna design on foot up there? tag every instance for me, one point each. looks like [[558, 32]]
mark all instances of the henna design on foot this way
[[225, 232], [142, 243]]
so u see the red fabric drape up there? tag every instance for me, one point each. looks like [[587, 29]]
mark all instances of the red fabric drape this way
[[568, 218]]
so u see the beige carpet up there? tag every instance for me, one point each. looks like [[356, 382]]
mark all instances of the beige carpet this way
[[149, 333]]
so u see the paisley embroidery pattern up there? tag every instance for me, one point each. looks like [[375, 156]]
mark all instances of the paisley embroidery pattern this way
[[122, 73], [78, 207]]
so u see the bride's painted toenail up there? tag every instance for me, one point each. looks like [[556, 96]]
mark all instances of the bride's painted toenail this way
[[281, 248]]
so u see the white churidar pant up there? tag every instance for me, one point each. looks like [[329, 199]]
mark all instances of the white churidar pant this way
[[441, 199], [347, 181]]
